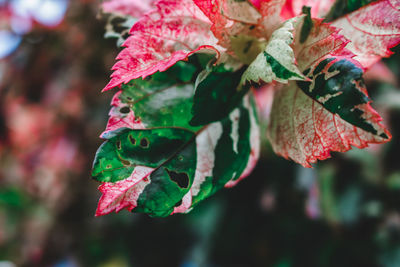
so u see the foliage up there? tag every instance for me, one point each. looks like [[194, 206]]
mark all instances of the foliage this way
[[184, 125]]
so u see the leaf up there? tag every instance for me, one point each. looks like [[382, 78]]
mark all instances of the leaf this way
[[372, 30], [332, 111], [118, 26], [166, 35], [133, 8], [169, 166], [319, 8], [217, 94], [123, 194], [271, 15], [277, 61], [230, 19], [337, 84], [122, 14], [343, 7]]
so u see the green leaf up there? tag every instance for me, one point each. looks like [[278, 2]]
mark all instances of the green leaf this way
[[117, 157], [217, 94], [277, 61], [163, 99]]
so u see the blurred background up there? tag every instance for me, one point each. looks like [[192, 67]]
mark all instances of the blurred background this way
[[54, 61]]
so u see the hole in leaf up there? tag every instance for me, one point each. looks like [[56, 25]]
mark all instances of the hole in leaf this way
[[129, 98], [180, 178], [178, 203], [132, 140], [180, 158], [144, 142], [108, 166], [124, 110], [118, 143]]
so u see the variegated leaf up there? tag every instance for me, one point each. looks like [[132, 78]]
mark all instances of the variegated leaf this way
[[167, 166], [372, 30], [331, 111], [303, 130], [277, 61], [168, 34]]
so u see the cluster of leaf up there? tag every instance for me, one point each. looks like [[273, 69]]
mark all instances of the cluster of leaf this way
[[181, 130]]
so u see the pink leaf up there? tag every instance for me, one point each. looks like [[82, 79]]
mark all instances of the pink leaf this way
[[230, 18], [134, 8], [123, 194], [372, 30], [319, 8], [172, 32], [322, 41]]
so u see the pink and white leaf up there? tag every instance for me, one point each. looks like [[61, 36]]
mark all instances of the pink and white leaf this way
[[120, 119], [319, 8], [123, 194], [133, 8], [170, 33], [372, 30], [303, 130]]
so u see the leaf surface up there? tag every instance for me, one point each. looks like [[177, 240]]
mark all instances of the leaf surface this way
[[168, 166], [234, 21], [133, 8], [166, 35], [331, 111], [277, 61], [372, 30], [319, 8], [218, 92]]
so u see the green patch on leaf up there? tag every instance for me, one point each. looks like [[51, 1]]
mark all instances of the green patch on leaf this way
[[307, 24], [117, 157], [343, 7], [277, 62], [280, 71], [340, 90], [217, 94]]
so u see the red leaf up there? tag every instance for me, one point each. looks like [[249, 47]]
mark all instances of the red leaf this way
[[372, 30], [172, 32]]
